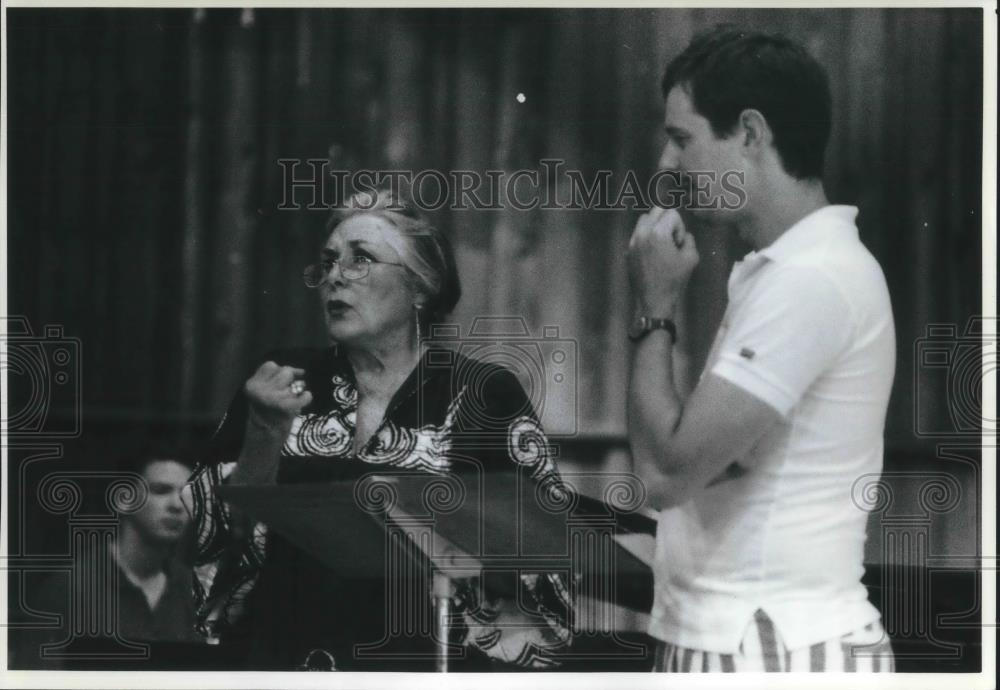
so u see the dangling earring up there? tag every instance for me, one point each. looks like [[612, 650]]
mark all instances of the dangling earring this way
[[416, 319]]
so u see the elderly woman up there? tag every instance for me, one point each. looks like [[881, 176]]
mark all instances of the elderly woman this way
[[384, 276]]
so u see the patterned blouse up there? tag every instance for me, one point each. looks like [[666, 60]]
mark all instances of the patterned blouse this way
[[258, 589]]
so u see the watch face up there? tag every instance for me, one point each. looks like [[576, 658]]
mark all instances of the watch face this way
[[637, 327]]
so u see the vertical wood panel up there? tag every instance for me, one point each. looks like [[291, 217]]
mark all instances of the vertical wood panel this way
[[923, 86], [531, 287], [404, 133], [635, 150], [314, 116], [474, 122], [171, 108], [827, 35], [441, 76], [563, 248], [100, 268], [599, 132], [138, 229], [232, 290], [272, 277], [510, 230], [964, 152], [864, 159], [193, 231], [47, 286]]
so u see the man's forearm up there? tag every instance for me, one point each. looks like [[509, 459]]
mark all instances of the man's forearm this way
[[661, 257], [654, 411]]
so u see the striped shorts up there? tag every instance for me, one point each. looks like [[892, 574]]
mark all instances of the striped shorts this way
[[866, 650]]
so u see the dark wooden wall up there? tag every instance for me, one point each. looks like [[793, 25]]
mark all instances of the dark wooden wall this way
[[144, 184]]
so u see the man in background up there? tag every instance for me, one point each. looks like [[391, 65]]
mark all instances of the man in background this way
[[760, 546], [156, 600], [152, 591]]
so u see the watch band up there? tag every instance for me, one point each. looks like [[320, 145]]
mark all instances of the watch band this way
[[645, 324]]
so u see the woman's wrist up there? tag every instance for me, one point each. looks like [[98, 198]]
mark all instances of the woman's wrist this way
[[265, 428], [247, 472], [258, 462]]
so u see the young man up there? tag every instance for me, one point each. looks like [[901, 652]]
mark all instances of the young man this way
[[152, 594], [760, 547], [155, 596]]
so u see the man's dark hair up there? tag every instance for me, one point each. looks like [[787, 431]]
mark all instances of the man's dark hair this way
[[138, 456], [728, 70]]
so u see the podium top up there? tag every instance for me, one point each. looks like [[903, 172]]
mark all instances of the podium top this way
[[462, 524]]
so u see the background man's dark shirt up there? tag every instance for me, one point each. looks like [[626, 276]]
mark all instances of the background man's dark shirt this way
[[171, 620]]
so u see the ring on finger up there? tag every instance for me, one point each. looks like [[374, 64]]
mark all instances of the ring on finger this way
[[297, 387]]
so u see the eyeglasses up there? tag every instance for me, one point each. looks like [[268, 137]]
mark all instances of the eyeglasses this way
[[352, 268]]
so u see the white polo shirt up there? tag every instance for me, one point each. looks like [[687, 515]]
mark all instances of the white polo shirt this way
[[808, 330]]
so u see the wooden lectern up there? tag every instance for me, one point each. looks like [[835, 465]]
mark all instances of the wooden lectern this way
[[461, 525]]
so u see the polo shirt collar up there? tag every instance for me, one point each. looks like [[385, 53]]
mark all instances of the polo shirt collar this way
[[834, 218]]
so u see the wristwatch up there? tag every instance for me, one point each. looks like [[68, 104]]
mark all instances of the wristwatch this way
[[644, 324]]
